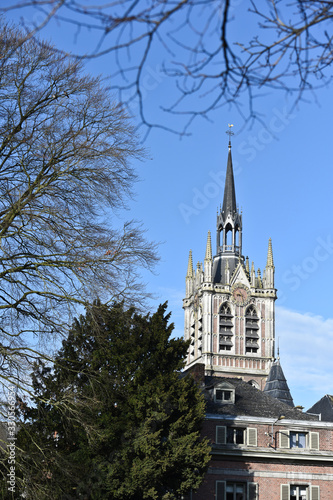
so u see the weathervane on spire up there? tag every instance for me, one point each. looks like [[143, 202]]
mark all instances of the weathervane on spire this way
[[230, 133]]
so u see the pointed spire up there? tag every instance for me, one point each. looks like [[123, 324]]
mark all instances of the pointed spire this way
[[270, 262], [190, 272], [277, 386], [209, 254], [229, 199], [269, 274], [247, 266]]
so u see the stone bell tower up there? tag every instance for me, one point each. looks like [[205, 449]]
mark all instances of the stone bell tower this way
[[229, 308]]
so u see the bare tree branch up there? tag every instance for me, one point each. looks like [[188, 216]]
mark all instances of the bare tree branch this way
[[65, 168], [291, 49]]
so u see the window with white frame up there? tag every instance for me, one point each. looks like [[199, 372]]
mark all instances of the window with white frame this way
[[234, 490], [236, 435], [224, 393], [299, 492], [299, 439]]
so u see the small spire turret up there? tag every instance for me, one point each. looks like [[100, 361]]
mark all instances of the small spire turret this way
[[270, 262], [190, 271], [208, 263], [209, 255], [270, 269]]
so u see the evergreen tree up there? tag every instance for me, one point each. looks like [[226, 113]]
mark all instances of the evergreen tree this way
[[115, 417]]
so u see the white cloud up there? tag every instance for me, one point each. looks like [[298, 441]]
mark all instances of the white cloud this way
[[306, 351]]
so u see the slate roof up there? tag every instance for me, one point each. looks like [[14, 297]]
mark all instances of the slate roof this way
[[325, 407], [276, 385], [249, 401]]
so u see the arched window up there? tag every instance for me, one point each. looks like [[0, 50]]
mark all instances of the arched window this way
[[225, 328], [251, 330], [236, 237], [228, 237]]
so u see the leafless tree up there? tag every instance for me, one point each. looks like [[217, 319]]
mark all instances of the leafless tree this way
[[65, 153], [218, 52]]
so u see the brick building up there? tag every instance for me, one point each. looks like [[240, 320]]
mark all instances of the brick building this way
[[262, 446]]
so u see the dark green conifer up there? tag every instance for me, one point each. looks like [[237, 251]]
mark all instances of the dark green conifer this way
[[127, 421]]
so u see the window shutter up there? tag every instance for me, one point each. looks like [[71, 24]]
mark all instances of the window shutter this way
[[220, 490], [314, 440], [315, 493], [221, 433], [252, 436], [252, 491], [285, 492], [284, 439]]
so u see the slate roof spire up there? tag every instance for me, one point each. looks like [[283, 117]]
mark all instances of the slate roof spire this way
[[276, 385], [228, 227], [229, 199]]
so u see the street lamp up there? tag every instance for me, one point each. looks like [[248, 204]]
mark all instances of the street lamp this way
[[281, 417]]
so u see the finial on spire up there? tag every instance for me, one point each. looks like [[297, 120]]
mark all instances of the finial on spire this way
[[230, 133]]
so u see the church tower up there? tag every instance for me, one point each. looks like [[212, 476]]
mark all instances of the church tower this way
[[229, 308]]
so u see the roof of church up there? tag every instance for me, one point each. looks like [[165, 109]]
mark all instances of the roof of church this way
[[249, 401], [276, 385], [324, 407], [229, 198]]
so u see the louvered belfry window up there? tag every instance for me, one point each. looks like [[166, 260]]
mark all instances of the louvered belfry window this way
[[225, 328], [251, 330]]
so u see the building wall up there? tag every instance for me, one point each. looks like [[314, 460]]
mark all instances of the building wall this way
[[268, 478], [202, 308], [267, 464]]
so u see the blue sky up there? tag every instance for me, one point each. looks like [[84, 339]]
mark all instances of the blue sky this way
[[283, 177]]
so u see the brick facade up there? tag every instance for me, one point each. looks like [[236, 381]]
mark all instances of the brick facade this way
[[282, 450]]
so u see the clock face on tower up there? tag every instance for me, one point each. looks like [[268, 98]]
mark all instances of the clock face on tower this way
[[240, 294]]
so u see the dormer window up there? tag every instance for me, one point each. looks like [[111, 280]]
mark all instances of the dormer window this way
[[224, 393]]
